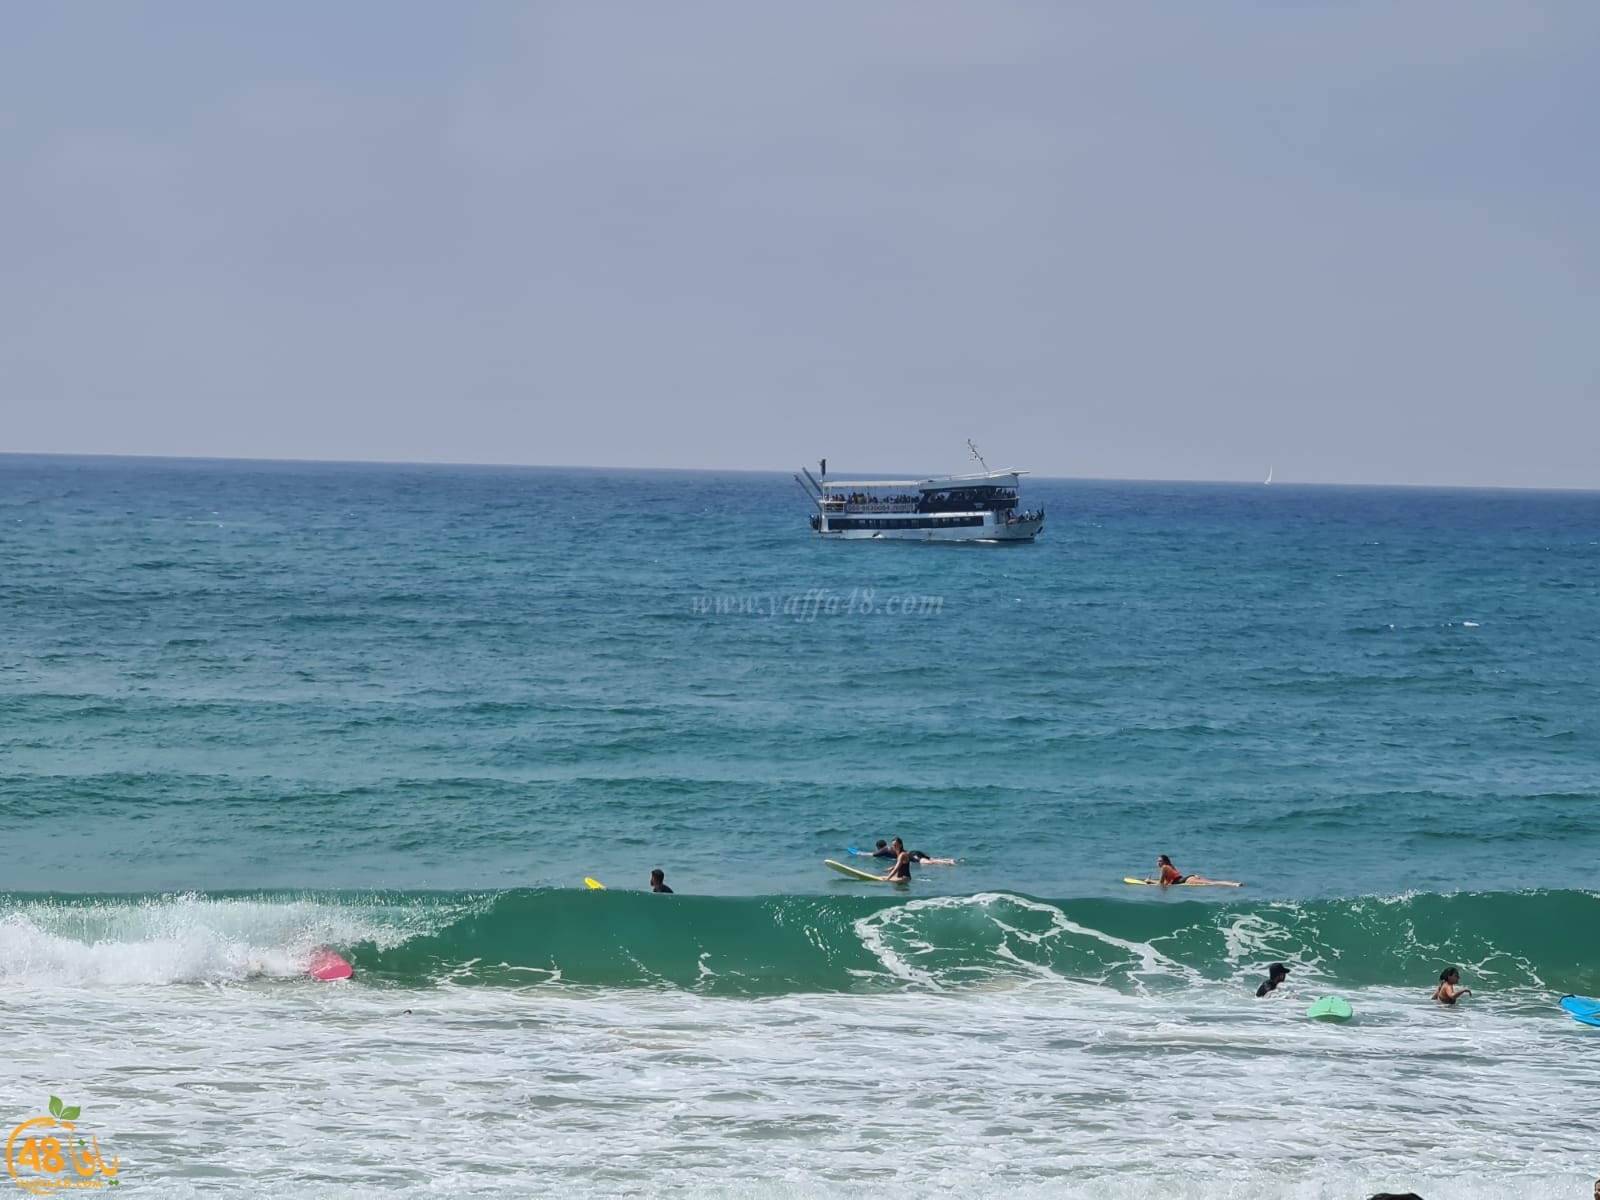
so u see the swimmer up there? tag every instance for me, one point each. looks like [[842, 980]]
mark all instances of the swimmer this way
[[1276, 974], [901, 871], [1449, 989]]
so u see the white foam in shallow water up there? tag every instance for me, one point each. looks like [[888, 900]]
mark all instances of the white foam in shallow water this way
[[189, 938], [1039, 1089], [31, 955]]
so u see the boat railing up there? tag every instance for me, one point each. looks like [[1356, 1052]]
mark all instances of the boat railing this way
[[998, 505]]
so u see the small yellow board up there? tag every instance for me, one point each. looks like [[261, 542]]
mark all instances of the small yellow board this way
[[595, 884], [852, 872], [1185, 883]]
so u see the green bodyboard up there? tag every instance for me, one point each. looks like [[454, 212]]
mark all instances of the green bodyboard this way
[[1330, 1008]]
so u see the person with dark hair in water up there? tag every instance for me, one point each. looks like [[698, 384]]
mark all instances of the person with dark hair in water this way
[[1276, 974], [1450, 989], [917, 856], [1170, 875], [883, 850], [658, 881], [901, 871]]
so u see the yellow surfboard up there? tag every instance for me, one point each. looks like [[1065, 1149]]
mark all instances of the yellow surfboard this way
[[595, 884], [852, 872], [1185, 883]]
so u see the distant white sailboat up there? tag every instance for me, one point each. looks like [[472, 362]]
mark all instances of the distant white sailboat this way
[[1268, 479]]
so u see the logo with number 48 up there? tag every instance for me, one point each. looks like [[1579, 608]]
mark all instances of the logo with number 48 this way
[[48, 1154]]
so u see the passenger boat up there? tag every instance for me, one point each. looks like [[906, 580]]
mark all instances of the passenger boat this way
[[952, 508]]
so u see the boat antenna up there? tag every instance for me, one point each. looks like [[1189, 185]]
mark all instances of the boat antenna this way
[[975, 454], [824, 465]]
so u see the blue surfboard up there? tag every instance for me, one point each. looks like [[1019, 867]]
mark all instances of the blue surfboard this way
[[1582, 1009]]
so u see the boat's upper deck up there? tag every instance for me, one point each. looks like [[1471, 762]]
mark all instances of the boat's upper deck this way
[[996, 490], [983, 479]]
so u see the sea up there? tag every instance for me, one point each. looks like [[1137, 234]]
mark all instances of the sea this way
[[249, 710]]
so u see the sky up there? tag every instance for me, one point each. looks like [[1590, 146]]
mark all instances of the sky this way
[[1354, 242]]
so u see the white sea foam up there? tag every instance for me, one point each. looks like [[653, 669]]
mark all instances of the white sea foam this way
[[190, 938], [35, 956], [1252, 939], [1042, 1089], [901, 934]]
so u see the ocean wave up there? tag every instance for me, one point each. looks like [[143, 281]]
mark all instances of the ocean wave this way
[[112, 941], [779, 945]]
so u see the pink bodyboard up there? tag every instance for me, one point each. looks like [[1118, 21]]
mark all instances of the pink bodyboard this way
[[325, 964]]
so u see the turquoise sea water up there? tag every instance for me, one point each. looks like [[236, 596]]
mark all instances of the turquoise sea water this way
[[249, 709]]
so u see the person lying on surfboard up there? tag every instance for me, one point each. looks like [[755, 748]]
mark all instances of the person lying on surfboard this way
[[884, 850], [1170, 875]]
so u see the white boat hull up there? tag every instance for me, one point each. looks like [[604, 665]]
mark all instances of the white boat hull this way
[[981, 507], [990, 531]]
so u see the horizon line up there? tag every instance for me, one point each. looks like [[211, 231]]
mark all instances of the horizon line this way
[[527, 466]]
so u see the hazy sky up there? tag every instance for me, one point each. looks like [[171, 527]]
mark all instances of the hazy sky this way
[[1356, 242]]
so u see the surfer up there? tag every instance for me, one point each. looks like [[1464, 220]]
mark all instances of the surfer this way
[[1276, 974], [1171, 875], [901, 871], [658, 881], [885, 850], [1449, 989]]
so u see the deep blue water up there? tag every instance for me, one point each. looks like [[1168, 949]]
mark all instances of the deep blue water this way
[[221, 674]]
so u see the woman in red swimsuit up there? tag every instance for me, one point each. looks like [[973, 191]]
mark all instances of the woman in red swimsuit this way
[[1171, 875]]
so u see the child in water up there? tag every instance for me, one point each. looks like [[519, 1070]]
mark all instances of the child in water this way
[[1449, 989]]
